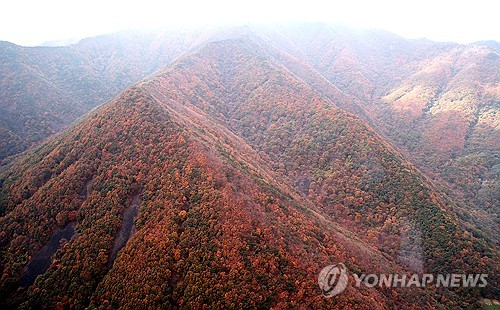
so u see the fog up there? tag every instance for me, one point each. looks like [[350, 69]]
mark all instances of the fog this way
[[31, 22]]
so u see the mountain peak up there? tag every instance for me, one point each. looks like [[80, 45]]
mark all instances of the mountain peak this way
[[249, 162]]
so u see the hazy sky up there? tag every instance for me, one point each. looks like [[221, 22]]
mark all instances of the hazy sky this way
[[31, 22]]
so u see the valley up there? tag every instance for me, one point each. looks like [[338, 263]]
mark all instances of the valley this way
[[225, 168]]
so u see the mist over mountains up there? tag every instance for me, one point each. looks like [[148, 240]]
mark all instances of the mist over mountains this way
[[255, 156]]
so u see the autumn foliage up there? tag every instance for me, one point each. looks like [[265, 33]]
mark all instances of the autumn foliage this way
[[250, 182]]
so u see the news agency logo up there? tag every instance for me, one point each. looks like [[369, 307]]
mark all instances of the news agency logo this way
[[333, 280]]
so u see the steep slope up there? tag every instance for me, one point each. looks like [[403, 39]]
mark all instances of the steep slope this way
[[449, 110], [212, 228], [249, 182], [42, 89], [224, 220], [436, 102], [331, 157]]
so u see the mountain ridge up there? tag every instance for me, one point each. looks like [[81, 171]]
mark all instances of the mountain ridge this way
[[36, 295], [232, 153]]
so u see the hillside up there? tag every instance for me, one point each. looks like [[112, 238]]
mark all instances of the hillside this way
[[199, 239], [437, 103], [247, 182], [43, 89], [331, 157]]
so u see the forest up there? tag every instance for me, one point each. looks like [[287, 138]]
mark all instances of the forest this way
[[250, 172]]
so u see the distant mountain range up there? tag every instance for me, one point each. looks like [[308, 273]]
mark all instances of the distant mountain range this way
[[491, 44], [254, 156]]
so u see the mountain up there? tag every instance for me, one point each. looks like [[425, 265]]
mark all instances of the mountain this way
[[43, 89], [437, 103], [63, 42], [491, 44], [233, 181], [417, 94]]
